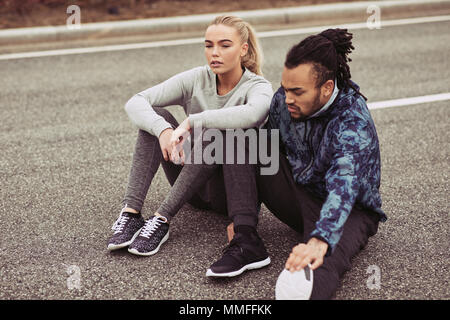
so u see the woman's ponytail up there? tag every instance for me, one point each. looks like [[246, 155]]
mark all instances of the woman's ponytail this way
[[254, 57]]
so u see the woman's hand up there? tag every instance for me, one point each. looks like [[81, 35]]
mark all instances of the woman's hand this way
[[179, 136], [164, 143]]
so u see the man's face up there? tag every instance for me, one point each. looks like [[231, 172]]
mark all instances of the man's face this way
[[303, 99]]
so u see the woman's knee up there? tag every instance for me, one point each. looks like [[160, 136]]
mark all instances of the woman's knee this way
[[163, 112]]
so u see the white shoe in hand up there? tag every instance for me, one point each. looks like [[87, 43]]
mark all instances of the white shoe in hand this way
[[294, 285]]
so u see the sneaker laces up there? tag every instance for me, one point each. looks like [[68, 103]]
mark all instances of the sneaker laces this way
[[233, 248], [119, 224], [151, 225]]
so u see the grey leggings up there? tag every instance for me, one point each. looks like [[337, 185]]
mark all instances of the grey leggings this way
[[202, 185], [209, 194]]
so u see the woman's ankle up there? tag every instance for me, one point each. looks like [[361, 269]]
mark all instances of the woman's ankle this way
[[131, 210], [157, 214]]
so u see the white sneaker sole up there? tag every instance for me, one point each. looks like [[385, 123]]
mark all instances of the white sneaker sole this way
[[136, 252], [294, 285], [254, 265], [112, 247]]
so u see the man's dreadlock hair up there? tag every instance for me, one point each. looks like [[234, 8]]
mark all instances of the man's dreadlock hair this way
[[327, 52]]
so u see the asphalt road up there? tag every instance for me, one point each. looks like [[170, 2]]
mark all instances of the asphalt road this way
[[66, 148]]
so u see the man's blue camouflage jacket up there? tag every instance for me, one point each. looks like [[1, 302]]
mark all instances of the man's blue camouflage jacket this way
[[335, 155]]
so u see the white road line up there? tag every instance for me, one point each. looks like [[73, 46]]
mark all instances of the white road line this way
[[353, 26], [408, 101], [169, 43], [120, 47]]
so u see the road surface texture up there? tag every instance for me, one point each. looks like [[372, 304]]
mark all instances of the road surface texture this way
[[67, 146]]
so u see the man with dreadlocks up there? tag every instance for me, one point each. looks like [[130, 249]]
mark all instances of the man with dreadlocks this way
[[327, 185]]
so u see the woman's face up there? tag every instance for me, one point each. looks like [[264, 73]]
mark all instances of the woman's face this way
[[223, 48]]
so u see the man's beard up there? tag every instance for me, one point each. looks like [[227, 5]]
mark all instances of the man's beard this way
[[300, 119], [316, 105]]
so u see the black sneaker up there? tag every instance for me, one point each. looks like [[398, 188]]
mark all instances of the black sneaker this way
[[126, 229], [154, 233], [245, 252]]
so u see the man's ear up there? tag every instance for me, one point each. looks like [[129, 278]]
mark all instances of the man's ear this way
[[328, 88]]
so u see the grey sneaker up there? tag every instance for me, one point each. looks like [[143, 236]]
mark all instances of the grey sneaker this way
[[154, 233], [126, 229]]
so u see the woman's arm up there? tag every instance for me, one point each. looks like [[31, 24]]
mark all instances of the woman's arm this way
[[174, 91], [250, 115]]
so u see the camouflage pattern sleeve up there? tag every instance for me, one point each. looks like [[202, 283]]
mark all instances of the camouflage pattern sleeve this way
[[350, 146]]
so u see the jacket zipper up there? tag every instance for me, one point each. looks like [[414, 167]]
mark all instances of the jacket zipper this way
[[308, 141]]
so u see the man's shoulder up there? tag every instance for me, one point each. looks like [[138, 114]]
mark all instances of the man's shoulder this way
[[279, 92], [354, 125], [277, 117], [354, 112], [277, 99]]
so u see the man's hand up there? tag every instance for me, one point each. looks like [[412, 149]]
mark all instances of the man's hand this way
[[164, 143], [304, 254], [179, 136]]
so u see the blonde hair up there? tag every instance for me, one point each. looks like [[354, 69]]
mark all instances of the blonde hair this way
[[254, 57]]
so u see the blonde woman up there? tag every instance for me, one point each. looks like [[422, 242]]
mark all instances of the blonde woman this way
[[228, 93]]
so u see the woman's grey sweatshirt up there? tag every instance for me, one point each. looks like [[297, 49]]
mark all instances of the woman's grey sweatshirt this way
[[245, 106]]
